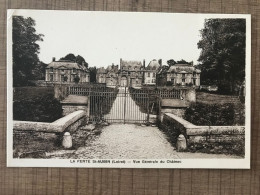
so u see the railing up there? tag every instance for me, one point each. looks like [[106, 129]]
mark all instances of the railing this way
[[86, 91], [163, 93]]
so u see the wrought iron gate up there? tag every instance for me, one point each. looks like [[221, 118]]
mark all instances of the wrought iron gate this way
[[123, 105], [120, 106]]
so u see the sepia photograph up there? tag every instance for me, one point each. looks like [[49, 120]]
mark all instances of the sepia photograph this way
[[128, 90]]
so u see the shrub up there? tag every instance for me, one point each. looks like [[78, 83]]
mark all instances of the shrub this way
[[215, 114], [41, 108], [76, 79], [169, 83]]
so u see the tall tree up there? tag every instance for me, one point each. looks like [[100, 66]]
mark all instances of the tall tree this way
[[38, 72], [222, 54], [25, 49]]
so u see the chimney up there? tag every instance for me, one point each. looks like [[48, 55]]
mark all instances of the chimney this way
[[144, 63], [53, 59], [120, 63]]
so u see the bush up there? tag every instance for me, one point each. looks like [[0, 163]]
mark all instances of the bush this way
[[215, 114], [169, 83], [41, 109]]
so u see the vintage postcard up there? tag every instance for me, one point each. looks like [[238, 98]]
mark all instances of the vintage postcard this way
[[128, 89]]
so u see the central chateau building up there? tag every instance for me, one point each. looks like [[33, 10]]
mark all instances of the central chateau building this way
[[137, 74]]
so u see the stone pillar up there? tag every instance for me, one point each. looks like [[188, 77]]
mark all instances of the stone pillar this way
[[67, 140], [181, 144], [190, 95]]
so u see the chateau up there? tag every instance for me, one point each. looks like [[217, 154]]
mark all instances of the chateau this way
[[66, 71], [129, 74], [136, 74]]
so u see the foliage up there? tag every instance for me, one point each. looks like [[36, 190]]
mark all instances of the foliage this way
[[189, 84], [79, 59], [41, 108], [38, 72], [169, 83], [233, 147], [76, 79], [210, 114], [93, 73], [25, 49], [182, 61], [222, 54], [172, 62]]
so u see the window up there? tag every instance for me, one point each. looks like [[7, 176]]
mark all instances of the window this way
[[51, 69], [183, 75], [51, 77], [62, 78], [153, 81], [74, 70], [153, 74], [62, 70], [183, 80], [136, 81], [148, 74]]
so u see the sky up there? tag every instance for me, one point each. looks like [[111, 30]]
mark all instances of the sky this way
[[102, 38]]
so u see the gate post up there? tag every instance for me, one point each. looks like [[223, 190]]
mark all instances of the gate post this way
[[125, 105], [148, 110]]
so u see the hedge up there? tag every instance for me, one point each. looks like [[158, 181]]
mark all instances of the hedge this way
[[210, 114], [41, 109]]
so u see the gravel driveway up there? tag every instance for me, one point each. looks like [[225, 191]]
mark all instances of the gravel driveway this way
[[130, 141], [126, 141]]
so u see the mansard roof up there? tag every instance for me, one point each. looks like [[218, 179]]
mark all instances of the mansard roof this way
[[183, 68], [153, 65], [112, 68], [66, 64], [131, 64], [101, 70]]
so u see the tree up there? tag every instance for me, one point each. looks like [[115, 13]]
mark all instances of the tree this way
[[70, 57], [38, 72], [93, 73], [79, 59], [182, 61], [25, 49], [222, 54], [171, 62]]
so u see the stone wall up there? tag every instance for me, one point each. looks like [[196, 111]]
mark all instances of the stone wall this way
[[210, 139], [67, 123]]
